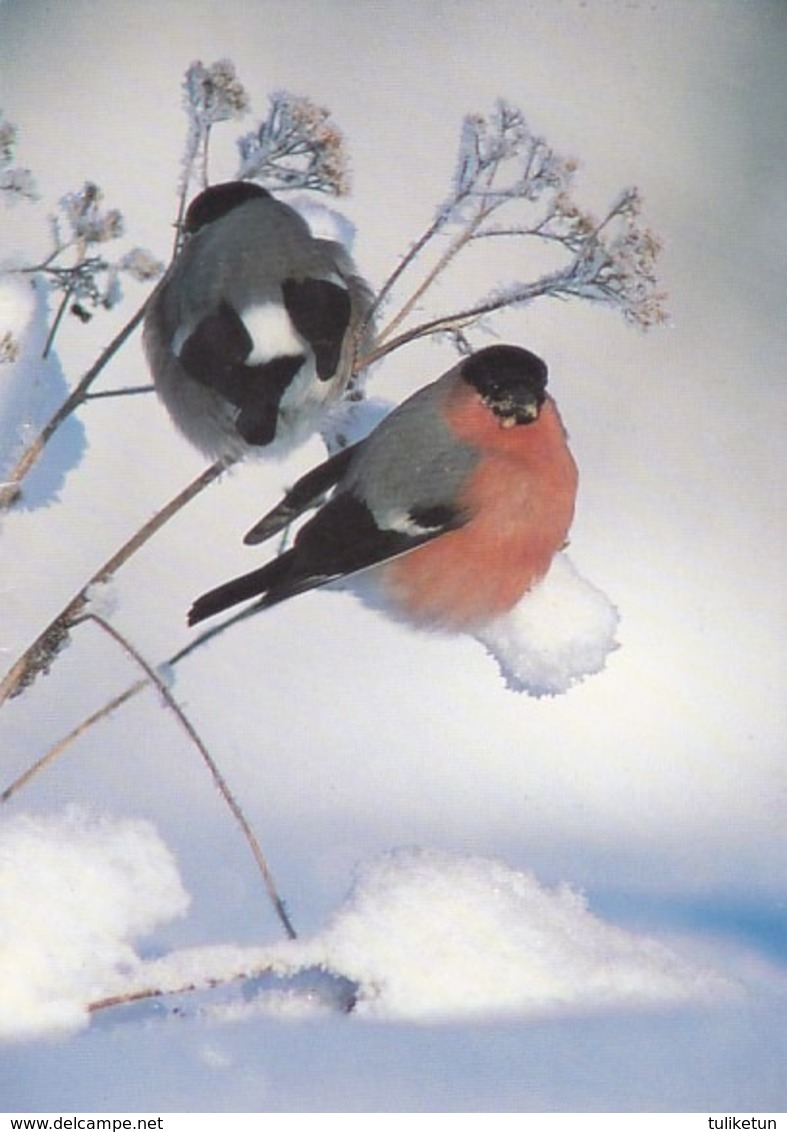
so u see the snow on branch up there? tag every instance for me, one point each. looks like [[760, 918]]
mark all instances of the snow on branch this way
[[503, 142], [93, 278], [509, 183], [298, 146], [86, 276], [210, 94], [613, 262], [214, 94]]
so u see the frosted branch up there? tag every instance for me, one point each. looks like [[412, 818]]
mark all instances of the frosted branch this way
[[211, 94], [510, 184], [298, 146]]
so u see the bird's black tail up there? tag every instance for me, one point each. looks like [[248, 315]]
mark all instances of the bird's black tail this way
[[255, 584]]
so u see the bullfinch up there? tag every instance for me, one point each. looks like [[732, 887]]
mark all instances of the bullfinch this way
[[251, 331], [454, 505]]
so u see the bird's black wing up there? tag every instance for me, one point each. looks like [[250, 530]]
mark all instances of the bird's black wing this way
[[320, 312], [343, 538], [215, 354], [306, 493], [215, 351]]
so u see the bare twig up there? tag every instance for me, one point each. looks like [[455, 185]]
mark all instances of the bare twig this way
[[77, 617], [453, 249], [61, 310], [127, 391], [73, 735], [40, 654], [547, 285], [112, 705], [413, 253], [209, 761], [159, 992]]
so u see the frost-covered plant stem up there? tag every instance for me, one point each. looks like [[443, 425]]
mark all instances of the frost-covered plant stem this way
[[504, 169], [210, 94], [421, 290], [213, 94], [547, 285]]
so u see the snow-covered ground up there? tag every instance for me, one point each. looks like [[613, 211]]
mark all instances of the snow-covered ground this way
[[571, 901]]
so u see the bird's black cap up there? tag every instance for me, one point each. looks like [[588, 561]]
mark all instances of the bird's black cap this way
[[510, 379], [217, 200]]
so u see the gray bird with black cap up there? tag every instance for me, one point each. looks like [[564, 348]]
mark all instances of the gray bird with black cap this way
[[253, 330]]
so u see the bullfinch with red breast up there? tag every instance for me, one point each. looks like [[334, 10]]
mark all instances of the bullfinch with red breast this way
[[253, 328], [455, 504]]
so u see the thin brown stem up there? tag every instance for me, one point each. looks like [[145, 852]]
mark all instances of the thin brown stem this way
[[65, 742], [39, 655], [61, 310], [209, 761], [544, 286], [456, 245], [403, 264], [127, 391], [57, 750], [159, 992], [443, 262]]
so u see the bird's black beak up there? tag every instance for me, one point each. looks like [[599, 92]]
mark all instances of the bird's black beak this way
[[511, 410]]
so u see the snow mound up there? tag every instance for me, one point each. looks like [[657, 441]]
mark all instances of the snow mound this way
[[424, 936], [324, 223], [17, 305], [350, 420], [31, 387], [559, 633], [74, 893], [431, 936], [17, 312]]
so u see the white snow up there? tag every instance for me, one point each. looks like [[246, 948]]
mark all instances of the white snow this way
[[31, 387], [75, 893], [17, 304], [560, 632], [325, 223], [649, 776], [23, 327], [423, 936], [429, 935]]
